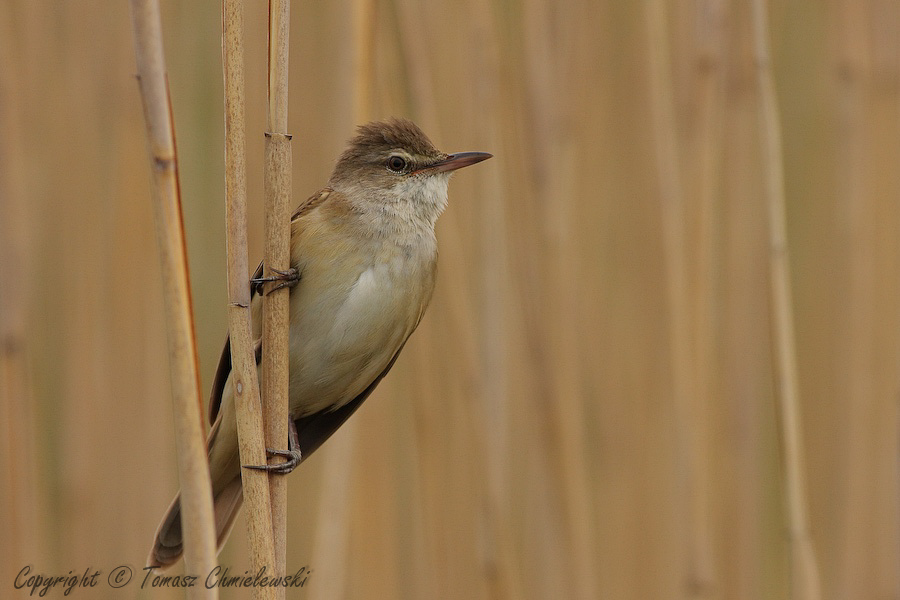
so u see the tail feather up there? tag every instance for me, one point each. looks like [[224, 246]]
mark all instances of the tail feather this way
[[168, 545]]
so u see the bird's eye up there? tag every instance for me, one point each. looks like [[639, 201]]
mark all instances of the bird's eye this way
[[397, 164]]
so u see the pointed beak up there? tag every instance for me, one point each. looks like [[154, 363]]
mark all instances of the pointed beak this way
[[454, 161]]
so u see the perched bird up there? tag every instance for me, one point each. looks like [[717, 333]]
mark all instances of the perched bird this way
[[363, 261]]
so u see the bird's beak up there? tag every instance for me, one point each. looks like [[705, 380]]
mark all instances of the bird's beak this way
[[454, 161]]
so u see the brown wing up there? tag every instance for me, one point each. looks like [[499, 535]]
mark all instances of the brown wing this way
[[314, 429], [311, 202], [224, 367], [222, 373]]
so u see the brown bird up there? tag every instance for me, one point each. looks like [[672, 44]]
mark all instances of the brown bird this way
[[363, 263]]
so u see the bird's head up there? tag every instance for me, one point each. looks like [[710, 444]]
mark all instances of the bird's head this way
[[393, 164]]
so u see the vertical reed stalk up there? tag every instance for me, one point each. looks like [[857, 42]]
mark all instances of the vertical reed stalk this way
[[419, 72], [550, 124], [244, 373], [804, 570], [364, 21], [710, 101], [277, 256], [693, 484], [710, 107], [17, 449], [710, 97], [193, 469], [490, 95], [858, 201]]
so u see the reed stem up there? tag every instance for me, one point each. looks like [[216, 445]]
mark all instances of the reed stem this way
[[193, 468], [277, 256], [244, 373], [805, 582]]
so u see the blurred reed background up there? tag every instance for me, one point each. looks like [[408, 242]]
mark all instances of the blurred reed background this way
[[587, 409]]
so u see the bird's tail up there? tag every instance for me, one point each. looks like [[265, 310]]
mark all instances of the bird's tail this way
[[169, 542]]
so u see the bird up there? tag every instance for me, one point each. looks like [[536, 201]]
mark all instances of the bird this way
[[363, 260]]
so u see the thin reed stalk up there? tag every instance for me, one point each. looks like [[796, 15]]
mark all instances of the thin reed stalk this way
[[868, 94], [546, 68], [193, 469], [858, 200], [17, 450], [805, 584], [490, 94], [244, 374], [364, 20], [419, 73], [277, 257], [710, 107], [693, 479]]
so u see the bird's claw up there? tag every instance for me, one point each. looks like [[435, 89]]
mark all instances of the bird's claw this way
[[286, 279], [293, 460], [292, 454]]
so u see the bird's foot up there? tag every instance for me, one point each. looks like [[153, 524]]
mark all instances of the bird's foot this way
[[292, 454], [286, 279], [293, 460]]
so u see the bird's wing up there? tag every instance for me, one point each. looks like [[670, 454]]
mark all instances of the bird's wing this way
[[311, 202], [314, 429], [222, 373], [224, 368]]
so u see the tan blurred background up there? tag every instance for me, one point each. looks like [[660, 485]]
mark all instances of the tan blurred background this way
[[587, 409]]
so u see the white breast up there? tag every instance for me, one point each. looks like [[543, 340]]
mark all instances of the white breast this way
[[369, 307], [347, 339]]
